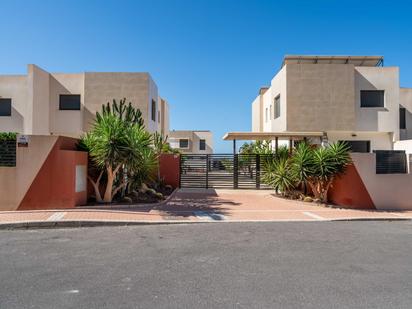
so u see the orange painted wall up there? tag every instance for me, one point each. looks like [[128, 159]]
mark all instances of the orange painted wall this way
[[170, 169], [349, 191], [54, 185]]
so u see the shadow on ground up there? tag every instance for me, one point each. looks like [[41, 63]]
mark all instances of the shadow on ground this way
[[184, 204]]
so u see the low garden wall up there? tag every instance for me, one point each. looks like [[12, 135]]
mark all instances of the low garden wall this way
[[49, 173], [361, 187]]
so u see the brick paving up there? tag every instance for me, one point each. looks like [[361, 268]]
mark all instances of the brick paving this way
[[206, 206]]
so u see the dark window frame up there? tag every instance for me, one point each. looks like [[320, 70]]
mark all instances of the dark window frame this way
[[153, 110], [352, 143], [6, 111], [180, 143], [276, 112], [63, 108], [202, 142], [402, 118], [366, 102]]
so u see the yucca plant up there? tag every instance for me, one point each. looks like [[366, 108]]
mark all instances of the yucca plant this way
[[278, 174], [302, 164], [328, 163], [118, 146]]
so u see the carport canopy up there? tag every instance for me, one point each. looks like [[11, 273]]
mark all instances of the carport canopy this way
[[270, 136]]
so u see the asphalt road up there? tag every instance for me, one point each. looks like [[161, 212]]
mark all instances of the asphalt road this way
[[223, 265]]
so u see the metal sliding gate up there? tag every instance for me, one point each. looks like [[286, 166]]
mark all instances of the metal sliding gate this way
[[222, 171]]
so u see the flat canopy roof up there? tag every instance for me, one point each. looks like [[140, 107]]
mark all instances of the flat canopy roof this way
[[266, 136], [366, 61]]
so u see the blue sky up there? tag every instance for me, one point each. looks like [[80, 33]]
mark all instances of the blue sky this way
[[209, 58]]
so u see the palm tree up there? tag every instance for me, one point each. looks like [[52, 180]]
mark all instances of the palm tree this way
[[117, 141], [328, 163], [278, 174], [302, 164]]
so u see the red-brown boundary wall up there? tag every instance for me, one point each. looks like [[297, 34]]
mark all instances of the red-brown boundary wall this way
[[349, 191], [55, 185], [169, 166]]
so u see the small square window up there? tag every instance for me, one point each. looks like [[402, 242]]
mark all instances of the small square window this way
[[202, 144], [69, 102], [372, 98], [5, 107], [183, 143]]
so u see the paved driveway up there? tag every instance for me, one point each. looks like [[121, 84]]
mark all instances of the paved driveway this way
[[206, 206], [259, 205]]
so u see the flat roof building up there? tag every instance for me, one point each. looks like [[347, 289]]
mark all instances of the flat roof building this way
[[192, 141], [350, 98], [43, 103]]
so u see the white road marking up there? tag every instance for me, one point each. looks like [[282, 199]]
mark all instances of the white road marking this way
[[312, 215], [203, 215], [396, 214], [71, 291], [56, 216]]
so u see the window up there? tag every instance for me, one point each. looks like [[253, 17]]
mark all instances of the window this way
[[202, 144], [277, 107], [5, 107], [153, 110], [372, 98], [402, 118], [359, 146], [69, 102], [266, 114], [184, 143]]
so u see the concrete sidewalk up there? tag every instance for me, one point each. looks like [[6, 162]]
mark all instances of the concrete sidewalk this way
[[189, 206]]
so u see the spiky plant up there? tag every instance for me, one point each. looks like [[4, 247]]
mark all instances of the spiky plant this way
[[278, 174], [328, 163], [302, 164], [117, 144]]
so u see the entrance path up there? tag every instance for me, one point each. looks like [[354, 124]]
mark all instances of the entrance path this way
[[189, 205]]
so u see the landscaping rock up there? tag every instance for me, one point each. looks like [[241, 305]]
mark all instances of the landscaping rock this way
[[151, 192], [143, 188], [308, 199], [159, 196], [127, 199]]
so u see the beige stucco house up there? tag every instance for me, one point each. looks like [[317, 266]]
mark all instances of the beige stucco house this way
[[43, 103], [191, 142], [350, 98]]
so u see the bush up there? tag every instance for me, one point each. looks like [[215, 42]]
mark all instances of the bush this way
[[308, 166], [8, 136]]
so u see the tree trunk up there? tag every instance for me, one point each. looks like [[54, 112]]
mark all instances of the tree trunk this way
[[96, 187], [326, 190], [109, 186]]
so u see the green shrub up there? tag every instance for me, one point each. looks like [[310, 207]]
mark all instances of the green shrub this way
[[278, 174], [8, 136]]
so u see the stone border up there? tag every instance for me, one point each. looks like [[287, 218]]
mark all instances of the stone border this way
[[127, 206]]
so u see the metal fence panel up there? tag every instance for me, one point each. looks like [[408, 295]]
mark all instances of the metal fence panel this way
[[8, 153], [391, 162], [222, 171]]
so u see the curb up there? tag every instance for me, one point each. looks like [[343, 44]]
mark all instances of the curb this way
[[77, 224], [93, 223]]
